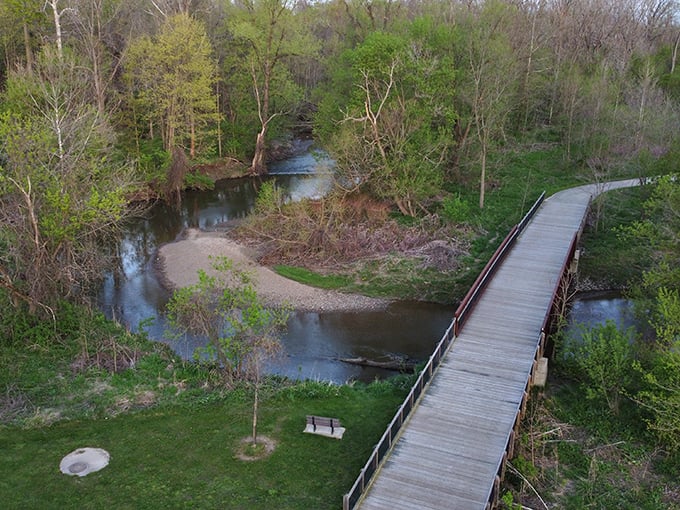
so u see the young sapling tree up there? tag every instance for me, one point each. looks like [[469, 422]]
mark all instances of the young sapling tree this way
[[243, 333]]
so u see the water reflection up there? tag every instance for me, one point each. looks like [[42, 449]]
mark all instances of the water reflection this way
[[593, 309], [314, 341]]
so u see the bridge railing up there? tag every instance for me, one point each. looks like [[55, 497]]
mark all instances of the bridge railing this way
[[384, 445], [489, 270], [538, 353]]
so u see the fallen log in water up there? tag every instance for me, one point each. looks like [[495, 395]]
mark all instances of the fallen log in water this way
[[401, 365]]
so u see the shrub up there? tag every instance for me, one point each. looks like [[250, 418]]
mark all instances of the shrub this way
[[602, 359], [455, 209]]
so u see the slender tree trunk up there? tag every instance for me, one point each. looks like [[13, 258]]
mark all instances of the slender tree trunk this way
[[259, 164], [27, 47], [527, 75], [482, 184], [57, 26], [674, 59], [256, 402], [219, 126], [192, 147]]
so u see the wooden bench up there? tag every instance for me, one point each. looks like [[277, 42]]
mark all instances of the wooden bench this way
[[329, 427]]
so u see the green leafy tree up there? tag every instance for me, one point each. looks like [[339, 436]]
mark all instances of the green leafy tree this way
[[602, 359], [660, 294], [242, 333], [62, 186], [661, 392], [662, 231], [396, 135], [269, 35], [171, 78]]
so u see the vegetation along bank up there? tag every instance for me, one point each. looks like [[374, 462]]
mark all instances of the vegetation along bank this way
[[445, 119]]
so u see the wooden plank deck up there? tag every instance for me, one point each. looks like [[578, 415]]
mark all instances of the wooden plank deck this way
[[450, 450]]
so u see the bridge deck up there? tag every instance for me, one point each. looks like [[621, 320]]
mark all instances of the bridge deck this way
[[452, 446]]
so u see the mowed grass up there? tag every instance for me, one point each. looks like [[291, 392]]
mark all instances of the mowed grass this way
[[184, 457]]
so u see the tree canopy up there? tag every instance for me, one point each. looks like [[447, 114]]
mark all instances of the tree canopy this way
[[415, 101]]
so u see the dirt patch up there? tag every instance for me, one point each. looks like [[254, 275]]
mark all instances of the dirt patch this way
[[249, 451]]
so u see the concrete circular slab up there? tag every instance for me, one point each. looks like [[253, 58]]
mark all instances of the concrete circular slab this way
[[84, 461]]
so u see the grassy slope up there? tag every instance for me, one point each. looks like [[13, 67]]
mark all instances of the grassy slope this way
[[612, 259], [171, 432]]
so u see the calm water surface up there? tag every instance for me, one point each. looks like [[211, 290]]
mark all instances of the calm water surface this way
[[314, 341], [592, 309]]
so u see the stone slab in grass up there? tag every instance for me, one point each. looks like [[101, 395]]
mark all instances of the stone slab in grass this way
[[84, 461]]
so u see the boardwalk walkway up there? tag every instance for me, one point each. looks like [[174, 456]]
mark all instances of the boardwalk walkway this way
[[452, 446]]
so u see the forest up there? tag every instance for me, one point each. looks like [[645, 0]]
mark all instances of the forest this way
[[424, 105], [110, 99]]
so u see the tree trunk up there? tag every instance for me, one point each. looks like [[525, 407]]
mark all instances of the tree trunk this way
[[192, 147], [259, 164], [27, 47], [219, 120], [57, 26], [675, 53], [255, 404], [482, 183]]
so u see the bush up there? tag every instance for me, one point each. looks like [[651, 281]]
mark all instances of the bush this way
[[602, 359], [455, 209]]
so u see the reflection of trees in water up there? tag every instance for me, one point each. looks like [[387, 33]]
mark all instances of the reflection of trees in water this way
[[162, 222], [207, 210]]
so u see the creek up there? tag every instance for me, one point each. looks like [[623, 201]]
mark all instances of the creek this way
[[594, 308], [313, 342]]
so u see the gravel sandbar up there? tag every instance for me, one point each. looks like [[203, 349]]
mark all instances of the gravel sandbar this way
[[180, 261]]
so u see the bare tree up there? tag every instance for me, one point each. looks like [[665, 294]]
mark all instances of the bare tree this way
[[92, 20], [57, 14], [492, 73]]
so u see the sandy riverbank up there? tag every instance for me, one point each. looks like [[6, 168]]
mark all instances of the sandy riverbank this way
[[180, 261]]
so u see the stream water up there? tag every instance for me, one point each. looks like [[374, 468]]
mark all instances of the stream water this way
[[595, 308], [314, 342]]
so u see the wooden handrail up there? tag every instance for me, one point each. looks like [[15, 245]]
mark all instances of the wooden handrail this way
[[375, 459], [479, 285], [391, 433]]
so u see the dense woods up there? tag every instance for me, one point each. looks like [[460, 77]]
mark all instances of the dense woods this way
[[414, 100]]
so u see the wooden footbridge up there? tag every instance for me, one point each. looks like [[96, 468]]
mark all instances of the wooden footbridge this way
[[447, 446]]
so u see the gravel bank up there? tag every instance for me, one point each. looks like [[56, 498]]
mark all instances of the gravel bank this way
[[180, 261]]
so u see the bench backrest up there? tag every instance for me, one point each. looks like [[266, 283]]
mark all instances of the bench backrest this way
[[320, 421]]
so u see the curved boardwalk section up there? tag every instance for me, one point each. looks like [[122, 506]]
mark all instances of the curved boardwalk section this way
[[453, 444]]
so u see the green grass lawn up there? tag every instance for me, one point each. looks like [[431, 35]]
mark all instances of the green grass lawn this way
[[184, 457]]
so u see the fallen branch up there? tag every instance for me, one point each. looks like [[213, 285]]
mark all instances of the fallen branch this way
[[514, 470], [592, 450], [395, 364]]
